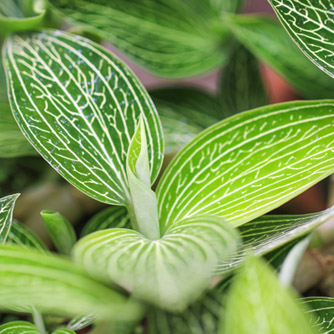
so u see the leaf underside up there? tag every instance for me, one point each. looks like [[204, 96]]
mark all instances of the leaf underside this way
[[78, 105], [250, 163]]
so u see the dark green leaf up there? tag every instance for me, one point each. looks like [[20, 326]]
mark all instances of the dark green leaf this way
[[250, 163], [63, 331], [6, 215], [268, 40], [79, 106], [60, 230]]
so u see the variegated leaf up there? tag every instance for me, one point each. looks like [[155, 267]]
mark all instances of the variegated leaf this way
[[250, 163], [78, 105], [170, 272], [268, 40], [80, 322], [171, 38], [19, 327], [6, 215], [310, 23], [56, 286]]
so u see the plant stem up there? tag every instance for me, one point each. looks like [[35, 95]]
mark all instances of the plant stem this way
[[38, 320]]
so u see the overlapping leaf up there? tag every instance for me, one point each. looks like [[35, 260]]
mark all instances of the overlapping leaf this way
[[250, 163], [81, 322], [78, 105], [170, 272], [241, 87], [171, 38], [63, 331], [310, 23], [268, 40], [55, 286], [19, 327], [6, 215]]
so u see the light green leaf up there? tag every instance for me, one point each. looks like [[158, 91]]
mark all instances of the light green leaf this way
[[12, 142], [107, 218], [21, 15], [19, 327], [55, 286], [322, 310], [80, 322], [184, 112], [257, 303], [63, 331], [170, 272], [170, 38], [60, 230], [6, 215], [310, 23], [268, 40], [250, 163], [21, 236], [143, 207], [241, 87], [79, 106]]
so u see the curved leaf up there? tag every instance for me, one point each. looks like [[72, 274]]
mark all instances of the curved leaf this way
[[322, 310], [310, 23], [19, 327], [241, 87], [21, 236], [257, 303], [6, 215], [80, 322], [250, 163], [170, 38], [55, 286], [63, 331], [107, 218], [268, 40], [78, 105], [169, 272]]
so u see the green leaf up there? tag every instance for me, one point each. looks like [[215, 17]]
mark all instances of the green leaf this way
[[184, 112], [21, 236], [310, 25], [79, 106], [322, 310], [21, 15], [63, 331], [80, 322], [257, 303], [170, 272], [250, 163], [241, 87], [55, 286], [6, 215], [12, 142], [60, 230], [143, 207], [107, 218], [170, 38], [268, 40], [19, 327]]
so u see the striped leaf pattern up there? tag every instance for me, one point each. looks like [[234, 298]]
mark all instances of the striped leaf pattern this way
[[170, 38], [80, 322], [55, 286], [250, 163], [79, 106], [268, 40], [170, 272], [19, 327], [6, 215], [322, 311], [63, 331], [310, 23], [21, 236]]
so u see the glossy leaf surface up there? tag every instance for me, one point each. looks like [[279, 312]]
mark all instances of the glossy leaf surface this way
[[257, 303], [6, 215], [19, 327], [171, 38], [55, 286], [250, 163], [78, 105], [169, 272], [268, 40], [310, 23], [241, 87]]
